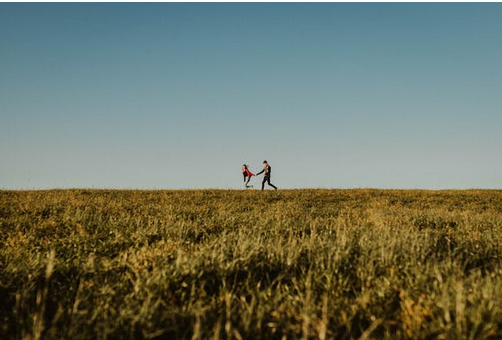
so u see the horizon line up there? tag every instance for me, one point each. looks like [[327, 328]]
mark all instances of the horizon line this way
[[235, 189]]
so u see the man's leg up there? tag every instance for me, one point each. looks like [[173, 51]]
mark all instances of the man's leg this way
[[273, 186], [263, 183]]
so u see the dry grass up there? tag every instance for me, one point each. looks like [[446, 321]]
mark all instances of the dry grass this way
[[301, 264]]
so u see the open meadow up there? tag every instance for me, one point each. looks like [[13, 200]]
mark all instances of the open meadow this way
[[225, 264]]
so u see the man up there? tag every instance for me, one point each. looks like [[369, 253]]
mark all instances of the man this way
[[266, 178]]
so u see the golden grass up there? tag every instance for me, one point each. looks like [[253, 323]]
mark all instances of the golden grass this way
[[221, 264]]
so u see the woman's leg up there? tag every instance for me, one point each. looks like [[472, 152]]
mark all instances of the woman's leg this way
[[247, 182]]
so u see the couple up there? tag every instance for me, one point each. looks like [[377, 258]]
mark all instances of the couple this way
[[266, 178]]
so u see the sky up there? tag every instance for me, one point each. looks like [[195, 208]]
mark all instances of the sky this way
[[180, 95]]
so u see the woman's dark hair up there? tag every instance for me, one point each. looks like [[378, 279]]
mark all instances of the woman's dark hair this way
[[245, 166]]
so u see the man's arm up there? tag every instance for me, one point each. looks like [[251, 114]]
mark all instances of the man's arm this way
[[260, 172]]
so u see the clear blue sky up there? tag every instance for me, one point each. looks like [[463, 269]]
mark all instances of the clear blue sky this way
[[180, 95]]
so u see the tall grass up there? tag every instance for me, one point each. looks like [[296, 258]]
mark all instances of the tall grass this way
[[300, 264]]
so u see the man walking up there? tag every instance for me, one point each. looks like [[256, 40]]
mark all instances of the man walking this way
[[266, 178]]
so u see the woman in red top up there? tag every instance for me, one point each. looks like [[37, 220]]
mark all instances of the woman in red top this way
[[247, 176]]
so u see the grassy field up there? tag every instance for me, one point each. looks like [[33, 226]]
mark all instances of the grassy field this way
[[299, 264]]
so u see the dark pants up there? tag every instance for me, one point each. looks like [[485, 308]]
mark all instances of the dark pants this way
[[246, 182], [267, 180]]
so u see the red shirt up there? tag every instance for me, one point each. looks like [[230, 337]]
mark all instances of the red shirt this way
[[246, 172]]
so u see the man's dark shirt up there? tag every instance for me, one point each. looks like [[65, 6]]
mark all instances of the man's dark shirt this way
[[267, 169]]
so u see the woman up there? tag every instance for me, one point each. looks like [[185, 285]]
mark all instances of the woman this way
[[247, 175]]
